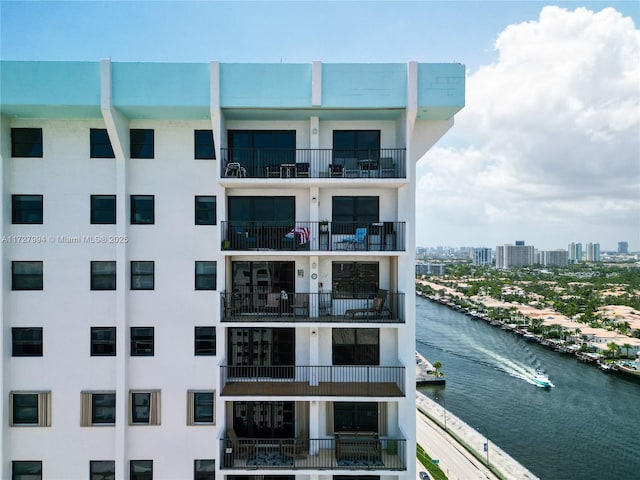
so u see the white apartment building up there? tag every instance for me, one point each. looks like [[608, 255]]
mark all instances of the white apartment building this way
[[208, 269], [481, 256], [593, 252], [517, 255], [555, 258]]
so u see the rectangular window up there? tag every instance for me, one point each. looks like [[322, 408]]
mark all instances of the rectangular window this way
[[26, 470], [102, 470], [103, 209], [204, 470], [26, 142], [100, 144], [205, 341], [360, 144], [26, 275], [256, 150], [26, 342], [141, 470], [144, 407], [205, 210], [26, 209], [349, 213], [30, 409], [103, 275], [200, 409], [142, 209], [203, 145], [355, 417], [141, 143], [205, 275], [356, 346], [103, 341], [142, 341], [97, 408], [355, 279], [142, 275]]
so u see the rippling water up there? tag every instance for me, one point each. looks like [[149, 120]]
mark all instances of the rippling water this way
[[586, 427]]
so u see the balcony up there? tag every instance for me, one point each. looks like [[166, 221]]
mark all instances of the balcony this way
[[310, 307], [384, 163], [303, 236], [346, 451], [330, 381]]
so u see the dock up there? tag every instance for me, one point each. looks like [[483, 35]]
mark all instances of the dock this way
[[425, 373]]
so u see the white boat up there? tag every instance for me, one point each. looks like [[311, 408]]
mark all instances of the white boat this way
[[541, 379]]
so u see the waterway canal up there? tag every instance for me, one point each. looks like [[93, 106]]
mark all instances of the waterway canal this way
[[587, 427]]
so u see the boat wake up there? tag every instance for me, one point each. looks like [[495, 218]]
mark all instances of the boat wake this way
[[528, 374]]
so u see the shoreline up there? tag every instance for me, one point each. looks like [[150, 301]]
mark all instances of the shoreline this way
[[501, 463]]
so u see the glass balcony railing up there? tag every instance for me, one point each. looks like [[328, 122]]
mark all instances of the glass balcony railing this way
[[313, 163], [311, 307], [304, 380], [348, 451], [313, 236]]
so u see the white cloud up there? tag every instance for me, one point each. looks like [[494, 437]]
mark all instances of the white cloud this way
[[553, 128]]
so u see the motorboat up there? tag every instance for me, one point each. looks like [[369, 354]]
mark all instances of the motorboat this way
[[541, 379]]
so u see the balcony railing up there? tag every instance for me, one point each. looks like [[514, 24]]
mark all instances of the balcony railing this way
[[357, 451], [310, 307], [312, 163], [313, 236], [301, 380]]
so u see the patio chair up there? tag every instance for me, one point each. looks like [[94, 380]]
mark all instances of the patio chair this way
[[376, 308], [351, 167], [358, 240], [336, 170], [387, 167], [234, 169], [273, 171], [273, 303], [302, 169]]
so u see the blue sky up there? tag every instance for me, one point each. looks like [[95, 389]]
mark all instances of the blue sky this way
[[546, 149]]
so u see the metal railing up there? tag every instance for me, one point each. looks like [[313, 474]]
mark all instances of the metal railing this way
[[312, 163], [313, 236], [310, 307], [346, 452], [305, 380]]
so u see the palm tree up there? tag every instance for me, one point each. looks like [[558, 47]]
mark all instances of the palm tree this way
[[626, 346], [613, 348], [437, 366]]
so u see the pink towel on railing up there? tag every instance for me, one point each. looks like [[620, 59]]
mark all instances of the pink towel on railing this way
[[303, 232]]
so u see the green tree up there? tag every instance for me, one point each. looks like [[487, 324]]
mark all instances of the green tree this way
[[437, 366]]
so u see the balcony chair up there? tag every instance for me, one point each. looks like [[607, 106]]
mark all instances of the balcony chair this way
[[302, 169], [273, 171], [351, 167], [241, 239], [273, 303], [358, 241], [336, 170], [234, 169], [376, 309], [301, 305], [387, 167]]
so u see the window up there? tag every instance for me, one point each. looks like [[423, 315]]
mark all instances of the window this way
[[100, 145], [200, 407], [356, 346], [26, 470], [27, 342], [205, 210], [203, 144], [205, 341], [355, 279], [103, 209], [144, 407], [142, 341], [142, 209], [141, 143], [142, 275], [355, 417], [97, 408], [103, 341], [257, 149], [204, 470], [349, 213], [26, 142], [26, 275], [102, 470], [264, 419], [30, 409], [103, 275], [360, 144], [205, 275], [141, 470], [26, 209]]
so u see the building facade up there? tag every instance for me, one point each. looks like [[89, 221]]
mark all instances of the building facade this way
[[593, 252], [481, 256], [555, 258], [208, 268], [518, 255]]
